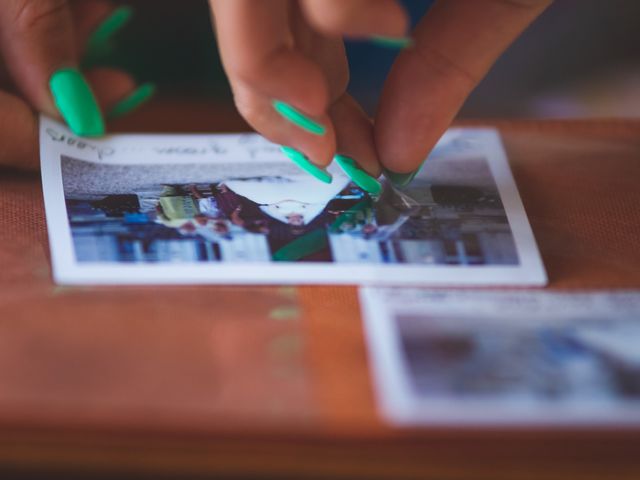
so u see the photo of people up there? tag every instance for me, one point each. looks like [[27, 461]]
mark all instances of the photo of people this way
[[508, 357], [586, 359], [171, 213], [215, 208]]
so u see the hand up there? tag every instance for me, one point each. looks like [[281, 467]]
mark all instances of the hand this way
[[39, 38], [456, 43], [292, 51]]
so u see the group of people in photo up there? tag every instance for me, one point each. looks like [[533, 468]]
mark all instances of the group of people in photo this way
[[276, 218], [262, 206]]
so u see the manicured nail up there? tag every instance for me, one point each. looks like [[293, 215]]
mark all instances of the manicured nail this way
[[359, 176], [392, 42], [128, 104], [298, 118], [303, 162], [99, 40], [401, 180], [76, 103]]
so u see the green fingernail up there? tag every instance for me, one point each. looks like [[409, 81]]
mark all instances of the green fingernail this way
[[140, 95], [76, 103], [99, 39], [392, 42], [303, 162], [359, 176], [400, 180], [298, 118]]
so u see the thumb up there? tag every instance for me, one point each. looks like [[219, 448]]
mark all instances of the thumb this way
[[38, 44]]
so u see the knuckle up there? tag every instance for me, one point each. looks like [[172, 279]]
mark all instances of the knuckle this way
[[32, 14]]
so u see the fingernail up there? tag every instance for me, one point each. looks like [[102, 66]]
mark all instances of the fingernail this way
[[401, 180], [99, 39], [392, 42], [359, 176], [298, 118], [303, 162], [128, 104], [76, 103]]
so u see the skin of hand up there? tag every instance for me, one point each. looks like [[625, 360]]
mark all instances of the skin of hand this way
[[292, 51], [37, 39]]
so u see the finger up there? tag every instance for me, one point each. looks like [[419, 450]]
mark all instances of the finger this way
[[455, 45], [272, 80], [88, 15], [256, 109], [117, 92], [258, 49], [357, 18], [97, 22], [37, 39], [328, 53], [110, 86], [18, 133], [354, 134], [354, 131], [19, 123], [39, 47]]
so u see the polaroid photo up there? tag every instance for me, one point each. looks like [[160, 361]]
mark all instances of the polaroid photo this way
[[231, 208], [510, 358]]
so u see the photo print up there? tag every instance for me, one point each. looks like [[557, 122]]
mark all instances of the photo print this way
[[482, 357], [232, 208]]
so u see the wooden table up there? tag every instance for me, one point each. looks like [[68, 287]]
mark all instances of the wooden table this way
[[273, 382]]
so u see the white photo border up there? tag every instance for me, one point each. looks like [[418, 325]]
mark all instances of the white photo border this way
[[67, 270], [401, 407]]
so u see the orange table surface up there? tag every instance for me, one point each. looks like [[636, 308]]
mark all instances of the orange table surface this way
[[273, 381]]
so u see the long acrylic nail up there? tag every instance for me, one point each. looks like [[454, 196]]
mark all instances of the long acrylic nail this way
[[76, 102], [303, 162], [392, 42], [359, 176], [401, 180], [128, 104], [99, 40], [298, 118]]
